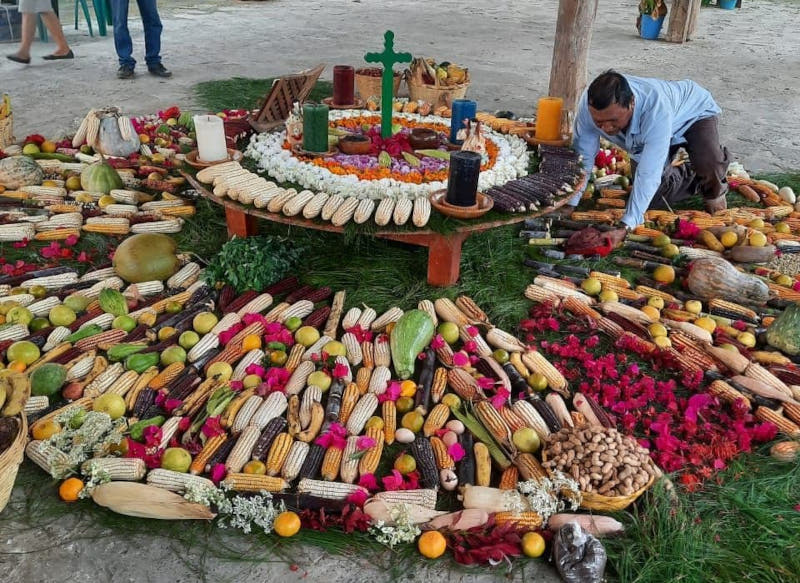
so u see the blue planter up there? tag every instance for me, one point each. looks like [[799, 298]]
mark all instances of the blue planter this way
[[727, 4], [650, 27]]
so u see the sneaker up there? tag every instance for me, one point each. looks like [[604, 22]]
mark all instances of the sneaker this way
[[125, 72], [159, 71]]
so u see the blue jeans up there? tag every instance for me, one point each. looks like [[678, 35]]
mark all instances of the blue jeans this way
[[152, 32]]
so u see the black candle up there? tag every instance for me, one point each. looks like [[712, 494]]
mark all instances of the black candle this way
[[462, 183]]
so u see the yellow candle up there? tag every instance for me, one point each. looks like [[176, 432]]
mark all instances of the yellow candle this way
[[548, 118]]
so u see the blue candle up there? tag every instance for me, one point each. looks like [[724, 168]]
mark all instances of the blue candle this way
[[462, 109], [462, 181]]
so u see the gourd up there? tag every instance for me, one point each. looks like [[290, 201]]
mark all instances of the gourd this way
[[711, 277], [784, 332], [100, 177], [18, 171], [48, 379], [411, 334], [110, 141], [146, 257], [750, 254]]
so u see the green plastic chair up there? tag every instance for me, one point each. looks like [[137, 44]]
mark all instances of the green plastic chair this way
[[40, 23], [102, 10], [81, 4]]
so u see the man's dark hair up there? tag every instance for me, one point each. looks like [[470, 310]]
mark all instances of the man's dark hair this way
[[609, 88]]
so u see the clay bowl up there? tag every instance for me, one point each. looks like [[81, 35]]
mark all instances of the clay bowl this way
[[354, 144], [424, 139]]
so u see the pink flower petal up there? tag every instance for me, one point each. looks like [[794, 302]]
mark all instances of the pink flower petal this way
[[460, 359], [364, 442], [456, 452]]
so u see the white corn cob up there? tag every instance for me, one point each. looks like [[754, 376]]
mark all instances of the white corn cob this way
[[98, 274], [348, 471], [252, 357], [176, 481], [328, 490], [342, 360], [273, 406], [391, 315], [532, 418], [82, 367], [240, 454], [48, 457], [246, 413], [314, 206], [276, 312], [80, 135], [155, 205], [131, 197], [402, 211], [226, 322], [294, 460], [14, 332], [17, 232], [104, 380], [56, 336], [35, 403], [130, 469], [126, 130], [422, 211], [52, 282], [297, 381], [61, 221], [345, 211], [208, 342], [363, 410], [427, 307], [559, 408], [185, 276], [262, 187], [381, 353], [94, 291], [351, 344], [120, 209], [144, 289], [350, 318], [208, 174], [422, 497], [56, 191], [257, 305], [312, 394], [363, 211], [277, 203], [263, 198], [502, 339], [168, 430], [481, 347], [299, 309], [331, 206], [297, 203], [367, 318], [23, 300], [383, 214], [103, 320], [316, 348], [449, 312], [379, 379], [165, 226]]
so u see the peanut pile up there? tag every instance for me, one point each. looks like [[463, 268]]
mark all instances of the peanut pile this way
[[600, 459]]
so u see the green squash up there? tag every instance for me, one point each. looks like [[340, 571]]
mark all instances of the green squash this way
[[48, 379], [410, 335], [18, 171], [784, 332], [101, 177]]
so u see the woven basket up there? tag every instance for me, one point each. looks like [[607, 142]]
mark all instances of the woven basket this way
[[6, 131], [368, 86], [436, 95], [10, 460]]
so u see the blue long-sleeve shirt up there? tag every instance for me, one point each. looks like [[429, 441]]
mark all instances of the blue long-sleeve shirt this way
[[663, 111]]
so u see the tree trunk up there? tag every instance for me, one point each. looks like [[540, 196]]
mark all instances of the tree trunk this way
[[568, 73], [682, 20]]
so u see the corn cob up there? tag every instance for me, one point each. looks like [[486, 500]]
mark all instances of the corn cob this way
[[57, 234], [757, 372], [280, 200], [51, 459], [328, 489], [561, 288], [348, 470], [125, 469], [389, 414], [436, 419], [391, 315], [271, 430], [509, 478], [372, 457], [529, 467], [512, 419], [331, 206], [201, 459], [351, 344], [363, 211], [241, 451], [402, 211], [314, 206], [528, 520], [254, 483], [439, 384], [176, 481], [428, 307], [313, 461], [463, 384], [315, 350], [52, 282], [770, 357], [366, 318], [312, 394], [297, 202], [278, 452], [425, 497], [107, 338], [351, 318], [537, 293], [123, 383], [493, 422], [294, 460], [78, 367], [207, 343], [502, 339], [43, 306], [481, 347], [104, 380], [383, 214], [341, 361], [449, 312], [331, 462], [422, 211], [381, 354], [107, 226], [14, 332], [252, 357], [45, 191], [349, 400], [483, 464], [337, 307], [727, 393], [314, 425], [265, 196], [367, 355], [381, 375], [792, 411], [783, 424], [363, 410], [23, 300], [297, 381], [256, 328], [295, 357], [536, 362], [444, 460], [471, 310], [246, 412], [273, 406], [426, 462], [559, 409]]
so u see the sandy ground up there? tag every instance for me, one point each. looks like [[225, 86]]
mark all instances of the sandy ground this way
[[747, 58]]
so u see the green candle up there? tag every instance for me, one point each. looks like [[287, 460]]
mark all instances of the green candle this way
[[315, 127]]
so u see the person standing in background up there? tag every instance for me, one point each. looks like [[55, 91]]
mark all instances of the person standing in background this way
[[152, 38], [29, 9]]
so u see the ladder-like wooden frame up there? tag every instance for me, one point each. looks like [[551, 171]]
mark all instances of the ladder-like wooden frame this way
[[285, 91]]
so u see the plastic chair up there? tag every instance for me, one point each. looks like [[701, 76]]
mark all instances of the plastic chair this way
[[81, 4], [42, 28]]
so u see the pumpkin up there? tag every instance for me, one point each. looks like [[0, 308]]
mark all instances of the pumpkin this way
[[100, 177], [784, 332], [110, 141], [18, 171], [714, 277], [146, 257]]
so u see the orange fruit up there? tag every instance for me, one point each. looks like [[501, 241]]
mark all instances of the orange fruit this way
[[166, 332], [654, 314], [706, 323], [255, 467], [405, 464], [412, 420], [46, 430], [729, 238], [69, 489], [664, 274], [404, 404], [17, 366], [408, 388], [251, 342], [533, 544], [287, 524], [432, 544], [278, 357]]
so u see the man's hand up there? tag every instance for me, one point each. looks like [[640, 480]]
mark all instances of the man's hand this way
[[616, 236], [714, 205]]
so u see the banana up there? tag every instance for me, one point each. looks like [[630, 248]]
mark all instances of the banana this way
[[16, 397]]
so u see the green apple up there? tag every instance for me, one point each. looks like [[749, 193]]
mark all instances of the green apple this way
[[448, 331], [319, 379], [693, 306], [335, 348], [526, 440], [537, 381], [176, 459], [173, 354], [293, 323], [110, 403], [188, 339], [61, 315], [124, 322], [204, 322], [306, 335], [76, 302], [656, 302], [19, 315], [38, 324]]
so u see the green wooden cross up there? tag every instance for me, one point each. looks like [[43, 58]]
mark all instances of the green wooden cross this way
[[387, 58]]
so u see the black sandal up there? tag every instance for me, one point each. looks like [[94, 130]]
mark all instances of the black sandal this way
[[17, 59], [69, 55]]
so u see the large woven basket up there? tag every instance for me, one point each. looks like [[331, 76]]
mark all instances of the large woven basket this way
[[368, 86], [436, 95], [10, 460], [6, 131]]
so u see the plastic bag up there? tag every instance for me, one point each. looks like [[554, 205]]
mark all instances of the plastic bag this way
[[579, 556]]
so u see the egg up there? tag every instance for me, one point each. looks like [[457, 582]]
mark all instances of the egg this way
[[404, 435], [448, 479], [450, 438], [455, 426]]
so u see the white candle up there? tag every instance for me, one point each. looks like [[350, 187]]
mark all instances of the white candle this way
[[211, 145]]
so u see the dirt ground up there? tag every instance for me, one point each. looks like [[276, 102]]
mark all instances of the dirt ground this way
[[747, 58]]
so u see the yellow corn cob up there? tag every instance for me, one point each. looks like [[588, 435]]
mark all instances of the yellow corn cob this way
[[254, 483], [363, 410], [436, 419], [725, 392], [512, 419], [372, 457], [294, 460], [463, 384], [444, 460], [593, 216], [167, 375], [389, 413], [314, 425], [471, 310], [655, 293], [125, 469], [529, 467], [449, 312], [331, 463], [124, 383], [438, 384], [108, 226], [294, 358], [422, 211], [493, 422], [180, 298], [708, 239], [57, 234], [328, 489], [212, 444], [278, 452], [770, 357], [531, 417], [792, 411], [783, 424], [483, 464], [240, 453], [383, 214], [349, 400], [606, 279], [528, 520], [509, 478], [536, 362]]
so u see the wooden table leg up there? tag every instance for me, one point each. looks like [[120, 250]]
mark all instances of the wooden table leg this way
[[239, 223], [444, 258]]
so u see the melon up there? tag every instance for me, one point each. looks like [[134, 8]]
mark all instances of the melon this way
[[146, 257], [18, 171]]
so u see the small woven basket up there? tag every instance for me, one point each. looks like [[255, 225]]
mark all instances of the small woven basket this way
[[436, 95], [10, 460], [6, 131], [368, 86]]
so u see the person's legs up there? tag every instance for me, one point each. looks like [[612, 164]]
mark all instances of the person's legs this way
[[677, 184], [709, 161], [152, 32], [28, 31], [53, 25], [122, 36]]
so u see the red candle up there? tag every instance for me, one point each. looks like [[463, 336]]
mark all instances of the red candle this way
[[343, 85]]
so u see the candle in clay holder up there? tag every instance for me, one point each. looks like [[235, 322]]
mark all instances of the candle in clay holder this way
[[548, 118], [211, 146], [462, 182], [343, 83], [315, 127], [463, 109]]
